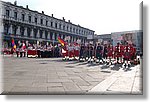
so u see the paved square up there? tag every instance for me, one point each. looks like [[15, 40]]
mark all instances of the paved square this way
[[50, 75], [54, 76]]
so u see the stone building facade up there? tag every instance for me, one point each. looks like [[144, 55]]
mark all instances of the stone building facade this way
[[28, 25]]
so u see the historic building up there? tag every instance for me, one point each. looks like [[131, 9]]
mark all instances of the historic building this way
[[135, 36], [31, 26], [105, 38]]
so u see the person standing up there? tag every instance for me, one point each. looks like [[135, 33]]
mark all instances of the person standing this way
[[109, 54], [76, 50], [118, 53], [24, 49], [17, 51], [127, 56], [91, 51], [105, 52], [99, 53], [82, 48]]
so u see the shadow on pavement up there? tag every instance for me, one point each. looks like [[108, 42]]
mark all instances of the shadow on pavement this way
[[69, 66]]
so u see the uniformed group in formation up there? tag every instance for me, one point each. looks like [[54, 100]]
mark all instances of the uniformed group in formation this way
[[36, 50], [102, 53]]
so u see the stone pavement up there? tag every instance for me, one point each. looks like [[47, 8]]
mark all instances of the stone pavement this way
[[122, 82], [54, 76]]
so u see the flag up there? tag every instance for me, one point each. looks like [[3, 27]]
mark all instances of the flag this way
[[13, 44], [61, 41]]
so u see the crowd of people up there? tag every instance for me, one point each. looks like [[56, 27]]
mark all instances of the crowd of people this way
[[34, 50], [100, 53]]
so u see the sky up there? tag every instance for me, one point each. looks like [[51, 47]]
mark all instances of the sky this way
[[102, 16]]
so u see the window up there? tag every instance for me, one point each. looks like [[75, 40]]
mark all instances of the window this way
[[22, 31], [35, 20], [41, 21], [70, 29], [77, 31], [64, 27], [46, 34], [41, 32], [51, 36], [55, 25], [46, 22], [14, 29], [63, 36], [29, 19], [67, 28], [55, 36], [28, 32], [6, 29], [35, 32], [7, 13], [59, 26], [51, 24], [22, 17], [15, 15]]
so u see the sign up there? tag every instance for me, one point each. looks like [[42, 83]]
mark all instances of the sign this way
[[89, 37], [91, 42], [105, 42], [100, 40], [47, 43], [37, 42], [27, 42], [78, 41], [67, 38]]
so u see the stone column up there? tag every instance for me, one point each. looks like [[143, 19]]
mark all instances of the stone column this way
[[38, 33], [2, 27], [32, 33], [25, 32], [48, 36], [53, 37], [43, 34], [61, 36], [10, 29], [18, 31]]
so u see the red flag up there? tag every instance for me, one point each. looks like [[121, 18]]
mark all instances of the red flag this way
[[13, 44], [61, 41]]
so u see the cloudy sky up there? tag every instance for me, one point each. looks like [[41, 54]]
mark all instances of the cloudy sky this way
[[102, 16]]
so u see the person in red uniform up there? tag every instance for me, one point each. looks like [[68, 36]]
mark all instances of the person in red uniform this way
[[118, 52], [133, 54], [109, 54], [76, 50], [127, 56], [65, 52], [71, 52]]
